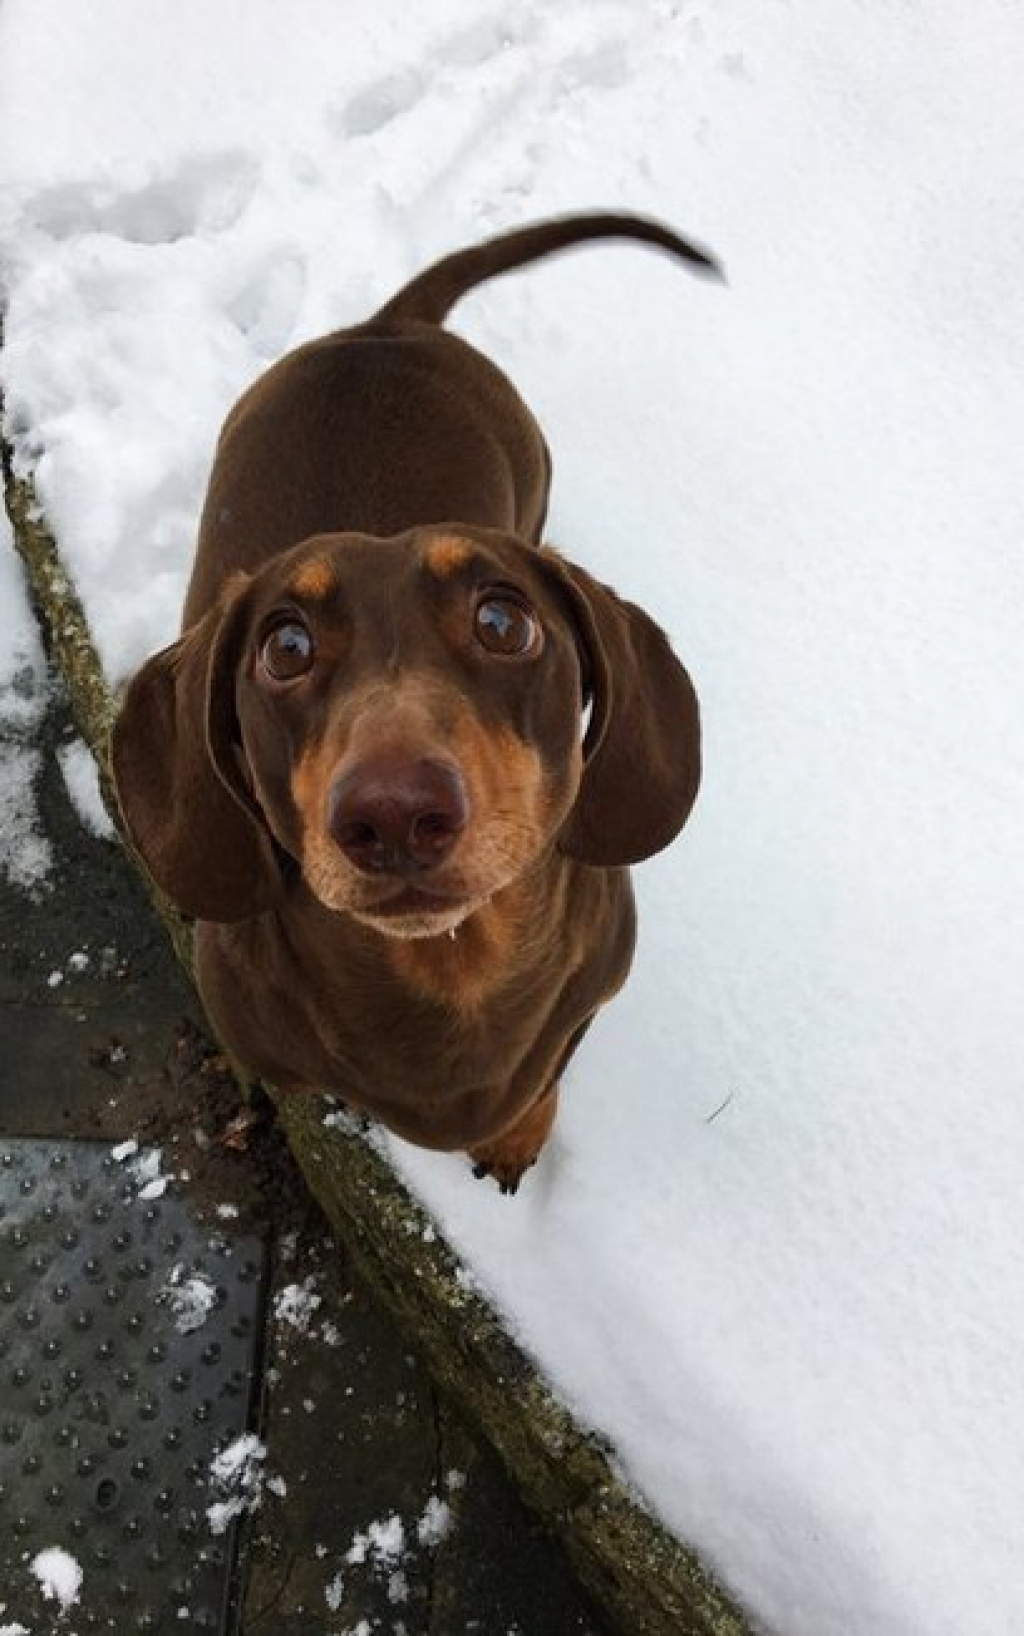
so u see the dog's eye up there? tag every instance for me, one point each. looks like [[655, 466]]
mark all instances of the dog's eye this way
[[503, 624], [287, 651]]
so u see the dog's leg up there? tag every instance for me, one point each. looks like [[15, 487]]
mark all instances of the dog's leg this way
[[516, 1149]]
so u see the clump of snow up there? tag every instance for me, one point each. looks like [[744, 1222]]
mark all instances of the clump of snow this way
[[239, 1462], [124, 1150], [79, 962], [147, 1174], [341, 1120], [237, 1472], [435, 1523], [381, 1545], [334, 1591], [380, 1548], [59, 1575], [190, 1296], [82, 782], [222, 1513], [26, 856], [296, 1304], [348, 1123]]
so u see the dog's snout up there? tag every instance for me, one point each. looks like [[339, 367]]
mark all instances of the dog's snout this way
[[394, 815]]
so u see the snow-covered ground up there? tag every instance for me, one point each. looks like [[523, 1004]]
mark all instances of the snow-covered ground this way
[[25, 853], [775, 1249]]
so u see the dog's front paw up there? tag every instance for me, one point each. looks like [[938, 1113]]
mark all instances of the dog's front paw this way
[[506, 1175], [510, 1155]]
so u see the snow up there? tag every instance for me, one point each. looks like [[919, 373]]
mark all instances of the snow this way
[[25, 854], [150, 1183], [334, 1592], [238, 1463], [296, 1305], [381, 1548], [435, 1522], [80, 777], [59, 1575], [190, 1296], [773, 1250], [382, 1543], [238, 1472]]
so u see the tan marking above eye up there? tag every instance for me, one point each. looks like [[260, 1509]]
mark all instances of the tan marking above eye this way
[[446, 555], [315, 578]]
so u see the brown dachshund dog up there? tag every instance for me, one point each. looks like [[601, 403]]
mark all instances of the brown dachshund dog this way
[[401, 756]]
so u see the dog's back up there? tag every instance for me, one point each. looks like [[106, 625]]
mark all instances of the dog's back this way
[[392, 424]]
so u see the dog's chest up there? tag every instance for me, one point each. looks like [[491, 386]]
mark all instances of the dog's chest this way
[[334, 1020]]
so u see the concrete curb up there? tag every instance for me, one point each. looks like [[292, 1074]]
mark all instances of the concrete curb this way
[[648, 1582]]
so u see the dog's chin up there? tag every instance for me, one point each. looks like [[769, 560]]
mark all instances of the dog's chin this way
[[417, 920]]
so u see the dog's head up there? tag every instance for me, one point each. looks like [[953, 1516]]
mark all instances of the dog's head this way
[[404, 719]]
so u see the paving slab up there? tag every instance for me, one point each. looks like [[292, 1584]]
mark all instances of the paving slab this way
[[381, 1509], [129, 1340]]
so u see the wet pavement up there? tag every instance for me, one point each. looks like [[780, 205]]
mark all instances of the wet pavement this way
[[314, 1482]]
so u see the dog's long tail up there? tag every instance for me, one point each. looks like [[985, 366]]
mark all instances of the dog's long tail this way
[[431, 295]]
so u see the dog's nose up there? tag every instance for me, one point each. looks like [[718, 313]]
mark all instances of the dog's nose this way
[[392, 815]]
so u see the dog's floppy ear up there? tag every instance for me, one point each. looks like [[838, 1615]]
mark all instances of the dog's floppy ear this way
[[641, 753], [175, 759]]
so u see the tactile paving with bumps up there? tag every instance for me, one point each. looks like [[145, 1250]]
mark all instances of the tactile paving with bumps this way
[[114, 1398]]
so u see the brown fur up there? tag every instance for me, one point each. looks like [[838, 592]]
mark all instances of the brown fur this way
[[408, 871]]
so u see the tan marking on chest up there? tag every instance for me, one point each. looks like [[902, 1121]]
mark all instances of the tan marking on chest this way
[[460, 972]]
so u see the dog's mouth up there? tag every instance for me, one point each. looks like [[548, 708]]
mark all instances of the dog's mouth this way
[[430, 904], [416, 911]]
